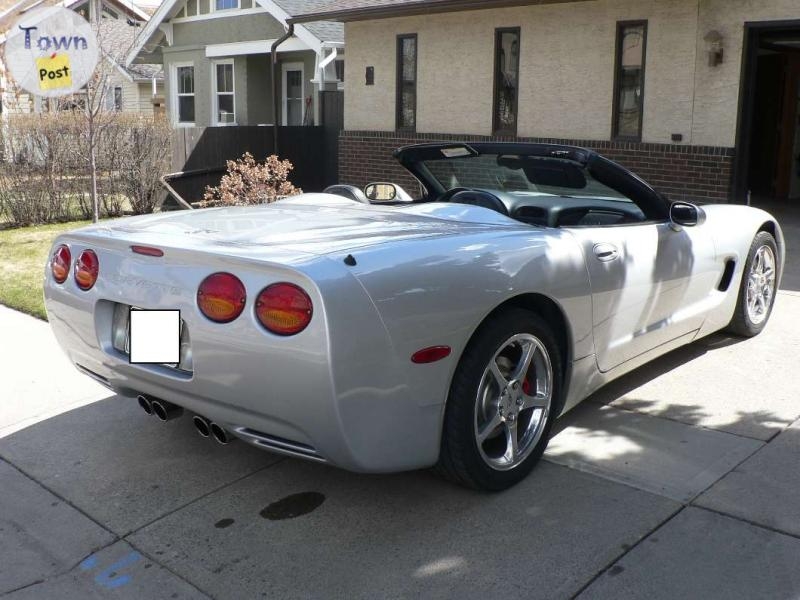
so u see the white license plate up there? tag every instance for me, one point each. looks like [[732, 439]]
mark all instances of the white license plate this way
[[150, 336]]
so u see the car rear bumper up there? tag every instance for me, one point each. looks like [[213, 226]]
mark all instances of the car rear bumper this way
[[280, 394]]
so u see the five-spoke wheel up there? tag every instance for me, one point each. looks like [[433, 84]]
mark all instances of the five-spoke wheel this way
[[505, 394], [513, 401], [759, 283]]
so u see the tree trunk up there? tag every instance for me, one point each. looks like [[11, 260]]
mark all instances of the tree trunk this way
[[93, 171]]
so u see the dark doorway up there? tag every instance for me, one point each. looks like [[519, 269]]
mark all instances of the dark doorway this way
[[768, 145]]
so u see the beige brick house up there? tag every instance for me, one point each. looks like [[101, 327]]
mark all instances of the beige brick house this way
[[698, 96]]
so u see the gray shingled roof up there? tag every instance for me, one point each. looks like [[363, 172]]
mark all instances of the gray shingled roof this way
[[327, 31], [117, 37]]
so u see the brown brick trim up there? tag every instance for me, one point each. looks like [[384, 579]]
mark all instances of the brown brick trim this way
[[698, 173]]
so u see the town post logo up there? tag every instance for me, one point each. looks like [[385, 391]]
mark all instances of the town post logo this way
[[51, 52]]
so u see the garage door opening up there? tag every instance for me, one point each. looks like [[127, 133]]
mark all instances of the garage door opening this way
[[768, 169]]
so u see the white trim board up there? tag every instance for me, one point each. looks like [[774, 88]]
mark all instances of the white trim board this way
[[253, 47], [258, 10]]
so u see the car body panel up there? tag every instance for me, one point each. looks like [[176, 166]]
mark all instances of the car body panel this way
[[386, 282], [650, 290]]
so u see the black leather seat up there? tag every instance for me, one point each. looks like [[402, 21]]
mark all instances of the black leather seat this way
[[347, 191]]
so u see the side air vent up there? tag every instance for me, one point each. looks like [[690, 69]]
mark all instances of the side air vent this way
[[727, 275]]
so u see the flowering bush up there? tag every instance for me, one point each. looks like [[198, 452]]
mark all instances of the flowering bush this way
[[249, 182]]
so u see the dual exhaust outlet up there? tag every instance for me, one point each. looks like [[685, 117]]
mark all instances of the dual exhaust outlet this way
[[166, 411]]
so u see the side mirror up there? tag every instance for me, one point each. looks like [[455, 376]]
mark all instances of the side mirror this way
[[381, 192], [685, 214]]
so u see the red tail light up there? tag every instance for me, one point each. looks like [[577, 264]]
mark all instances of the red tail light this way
[[284, 308], [221, 297], [86, 269], [59, 264]]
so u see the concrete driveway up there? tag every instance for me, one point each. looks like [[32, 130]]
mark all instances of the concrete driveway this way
[[679, 480]]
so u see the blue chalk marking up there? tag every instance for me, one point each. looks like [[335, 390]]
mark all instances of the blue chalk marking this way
[[89, 563], [108, 581]]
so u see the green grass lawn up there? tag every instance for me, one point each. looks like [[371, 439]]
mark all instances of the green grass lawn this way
[[23, 254]]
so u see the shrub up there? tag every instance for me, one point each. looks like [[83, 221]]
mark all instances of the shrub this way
[[45, 176], [248, 182]]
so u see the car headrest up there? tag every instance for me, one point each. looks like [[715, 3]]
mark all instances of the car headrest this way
[[480, 198], [347, 191]]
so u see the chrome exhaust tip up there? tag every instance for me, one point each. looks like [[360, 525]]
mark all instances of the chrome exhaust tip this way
[[202, 425], [145, 403], [219, 434], [166, 411]]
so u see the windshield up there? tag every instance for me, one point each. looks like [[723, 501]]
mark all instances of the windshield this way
[[520, 175]]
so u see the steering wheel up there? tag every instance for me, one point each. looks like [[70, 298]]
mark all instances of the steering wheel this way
[[448, 195]]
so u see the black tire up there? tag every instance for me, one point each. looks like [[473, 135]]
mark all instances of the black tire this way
[[460, 460], [741, 323]]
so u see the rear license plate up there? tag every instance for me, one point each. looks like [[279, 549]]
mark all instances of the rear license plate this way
[[121, 338]]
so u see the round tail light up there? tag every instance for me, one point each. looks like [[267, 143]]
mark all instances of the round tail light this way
[[284, 308], [59, 264], [86, 269], [221, 297]]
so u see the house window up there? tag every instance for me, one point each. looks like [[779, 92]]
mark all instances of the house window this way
[[293, 94], [226, 4], [184, 94], [406, 116], [224, 104], [506, 81], [113, 99], [629, 80], [338, 66]]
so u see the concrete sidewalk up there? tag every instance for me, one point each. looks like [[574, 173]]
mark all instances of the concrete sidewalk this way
[[679, 480]]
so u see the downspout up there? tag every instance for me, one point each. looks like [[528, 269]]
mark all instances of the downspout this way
[[326, 61], [274, 51]]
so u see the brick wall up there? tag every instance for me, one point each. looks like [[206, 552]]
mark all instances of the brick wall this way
[[697, 173]]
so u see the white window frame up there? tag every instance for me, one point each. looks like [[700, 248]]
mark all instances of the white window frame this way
[[213, 6], [174, 94], [215, 94], [285, 68]]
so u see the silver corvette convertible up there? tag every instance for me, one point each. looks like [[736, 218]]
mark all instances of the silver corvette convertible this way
[[378, 333]]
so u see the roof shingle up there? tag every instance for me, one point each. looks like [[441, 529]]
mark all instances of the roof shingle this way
[[326, 31]]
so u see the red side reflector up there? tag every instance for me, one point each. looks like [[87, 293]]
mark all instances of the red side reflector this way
[[429, 355], [147, 250]]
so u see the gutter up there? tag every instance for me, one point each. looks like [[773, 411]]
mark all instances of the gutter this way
[[274, 54], [419, 7]]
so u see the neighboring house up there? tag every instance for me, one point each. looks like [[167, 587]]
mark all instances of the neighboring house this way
[[137, 88], [217, 58], [132, 87], [700, 97]]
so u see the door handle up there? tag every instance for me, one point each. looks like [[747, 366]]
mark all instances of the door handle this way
[[605, 252]]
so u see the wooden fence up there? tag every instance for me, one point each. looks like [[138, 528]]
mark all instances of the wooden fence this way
[[312, 150]]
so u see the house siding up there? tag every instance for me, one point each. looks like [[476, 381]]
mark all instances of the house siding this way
[[566, 79], [226, 29], [252, 73]]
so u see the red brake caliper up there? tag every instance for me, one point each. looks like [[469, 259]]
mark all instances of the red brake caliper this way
[[526, 387]]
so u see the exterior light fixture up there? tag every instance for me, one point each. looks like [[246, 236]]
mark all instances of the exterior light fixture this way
[[713, 40]]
